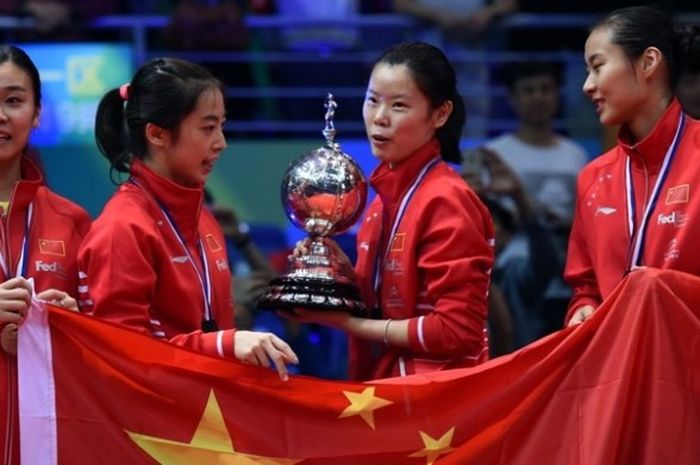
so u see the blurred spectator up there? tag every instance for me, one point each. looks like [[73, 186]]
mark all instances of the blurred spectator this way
[[61, 20], [459, 19], [202, 25], [519, 280], [546, 162]]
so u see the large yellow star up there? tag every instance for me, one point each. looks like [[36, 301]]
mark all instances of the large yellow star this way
[[211, 443], [434, 448], [363, 404]]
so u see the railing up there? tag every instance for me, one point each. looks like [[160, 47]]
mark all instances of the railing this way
[[304, 97]]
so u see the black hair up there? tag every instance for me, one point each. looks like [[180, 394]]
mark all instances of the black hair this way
[[435, 77], [163, 92], [518, 70], [639, 27], [20, 58]]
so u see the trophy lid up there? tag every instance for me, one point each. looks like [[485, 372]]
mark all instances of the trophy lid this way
[[324, 191]]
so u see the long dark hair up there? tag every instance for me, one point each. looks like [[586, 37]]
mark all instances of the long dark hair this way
[[639, 27], [435, 77], [163, 92]]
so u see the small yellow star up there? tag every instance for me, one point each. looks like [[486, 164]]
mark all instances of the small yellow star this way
[[364, 404], [434, 448], [211, 443]]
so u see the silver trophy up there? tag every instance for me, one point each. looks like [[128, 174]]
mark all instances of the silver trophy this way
[[323, 192]]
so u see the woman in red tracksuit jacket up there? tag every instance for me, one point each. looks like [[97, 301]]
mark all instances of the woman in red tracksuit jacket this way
[[155, 260], [637, 203], [425, 246], [39, 232]]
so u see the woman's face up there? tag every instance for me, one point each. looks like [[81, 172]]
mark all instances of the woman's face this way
[[398, 116], [614, 83], [189, 158], [18, 111]]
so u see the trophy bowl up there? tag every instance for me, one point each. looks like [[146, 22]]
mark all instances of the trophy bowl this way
[[323, 193]]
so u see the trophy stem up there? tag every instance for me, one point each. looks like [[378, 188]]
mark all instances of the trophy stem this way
[[323, 192]]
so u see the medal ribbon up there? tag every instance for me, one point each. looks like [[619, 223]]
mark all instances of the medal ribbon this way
[[204, 277], [21, 269], [380, 260], [638, 235]]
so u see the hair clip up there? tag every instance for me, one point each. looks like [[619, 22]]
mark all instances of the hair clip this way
[[124, 91]]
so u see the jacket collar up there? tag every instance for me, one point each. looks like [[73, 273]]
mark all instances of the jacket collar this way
[[25, 189], [183, 204], [653, 147], [391, 182]]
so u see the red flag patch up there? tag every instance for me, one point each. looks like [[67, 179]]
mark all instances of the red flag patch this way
[[213, 244], [678, 194], [398, 242], [52, 247]]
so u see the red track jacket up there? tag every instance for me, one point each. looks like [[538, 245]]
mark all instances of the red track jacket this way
[[436, 272], [137, 272], [56, 228], [600, 242]]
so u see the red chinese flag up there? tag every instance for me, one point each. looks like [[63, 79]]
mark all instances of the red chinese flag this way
[[623, 388]]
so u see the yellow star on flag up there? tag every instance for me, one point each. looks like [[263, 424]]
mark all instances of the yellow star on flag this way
[[364, 404], [211, 443], [434, 448]]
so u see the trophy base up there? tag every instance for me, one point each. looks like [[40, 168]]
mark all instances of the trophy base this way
[[286, 293]]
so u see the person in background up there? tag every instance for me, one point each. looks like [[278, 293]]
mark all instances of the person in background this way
[[519, 281], [425, 245], [546, 165], [39, 232], [155, 260], [636, 204], [459, 20], [546, 162]]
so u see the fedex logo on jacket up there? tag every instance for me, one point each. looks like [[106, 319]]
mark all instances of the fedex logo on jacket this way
[[676, 218]]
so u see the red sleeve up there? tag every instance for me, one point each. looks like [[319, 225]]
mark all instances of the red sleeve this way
[[117, 280], [455, 257], [579, 271], [219, 343]]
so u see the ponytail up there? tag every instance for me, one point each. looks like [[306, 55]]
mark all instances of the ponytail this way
[[450, 134], [110, 132], [162, 92]]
